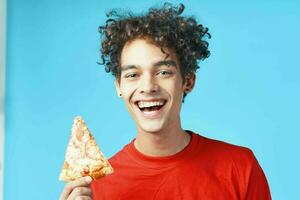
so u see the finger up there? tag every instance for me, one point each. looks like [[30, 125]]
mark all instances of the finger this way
[[80, 191], [83, 181], [83, 198]]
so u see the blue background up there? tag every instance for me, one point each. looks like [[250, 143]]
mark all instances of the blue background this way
[[247, 92]]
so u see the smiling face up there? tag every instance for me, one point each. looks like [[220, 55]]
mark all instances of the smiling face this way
[[151, 86]]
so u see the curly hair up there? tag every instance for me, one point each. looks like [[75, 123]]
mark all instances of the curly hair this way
[[165, 27]]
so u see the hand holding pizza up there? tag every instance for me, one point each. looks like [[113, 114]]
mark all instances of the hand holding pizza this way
[[84, 162], [77, 189]]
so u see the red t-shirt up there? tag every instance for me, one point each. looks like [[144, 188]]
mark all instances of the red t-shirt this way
[[206, 169]]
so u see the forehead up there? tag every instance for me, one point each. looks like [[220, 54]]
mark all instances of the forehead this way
[[144, 52]]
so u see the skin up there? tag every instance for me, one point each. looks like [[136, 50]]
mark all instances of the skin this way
[[77, 190], [147, 74]]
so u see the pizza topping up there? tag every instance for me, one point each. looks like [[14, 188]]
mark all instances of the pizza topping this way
[[83, 156]]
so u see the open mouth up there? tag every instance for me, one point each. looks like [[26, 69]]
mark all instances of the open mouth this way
[[148, 107]]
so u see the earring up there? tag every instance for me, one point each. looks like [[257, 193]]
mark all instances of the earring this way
[[120, 94]]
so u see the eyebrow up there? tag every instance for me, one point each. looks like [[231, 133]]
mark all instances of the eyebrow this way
[[169, 63], [127, 67]]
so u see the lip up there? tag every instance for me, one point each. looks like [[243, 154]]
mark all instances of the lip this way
[[149, 100], [151, 114]]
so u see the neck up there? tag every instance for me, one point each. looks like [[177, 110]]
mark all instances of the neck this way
[[162, 143]]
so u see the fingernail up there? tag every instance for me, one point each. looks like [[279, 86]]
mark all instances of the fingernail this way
[[88, 179]]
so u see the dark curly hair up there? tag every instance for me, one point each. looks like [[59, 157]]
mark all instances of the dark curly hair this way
[[164, 27]]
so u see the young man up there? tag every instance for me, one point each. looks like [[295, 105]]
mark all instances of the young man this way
[[154, 59]]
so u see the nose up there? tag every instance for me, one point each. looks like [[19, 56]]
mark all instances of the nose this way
[[148, 85]]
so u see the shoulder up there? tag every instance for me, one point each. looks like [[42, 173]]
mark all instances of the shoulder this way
[[224, 152], [120, 157], [236, 164]]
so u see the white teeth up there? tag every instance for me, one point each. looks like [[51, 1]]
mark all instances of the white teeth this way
[[145, 104]]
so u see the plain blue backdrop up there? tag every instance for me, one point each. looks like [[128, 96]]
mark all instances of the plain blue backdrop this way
[[247, 91]]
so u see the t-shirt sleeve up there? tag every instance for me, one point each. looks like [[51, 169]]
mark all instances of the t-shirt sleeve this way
[[257, 187]]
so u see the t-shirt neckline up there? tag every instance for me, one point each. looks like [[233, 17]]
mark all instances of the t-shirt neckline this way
[[164, 161]]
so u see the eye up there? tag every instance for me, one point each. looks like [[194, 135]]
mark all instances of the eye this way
[[165, 73], [131, 75]]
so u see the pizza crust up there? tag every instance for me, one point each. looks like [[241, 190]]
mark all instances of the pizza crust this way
[[83, 155]]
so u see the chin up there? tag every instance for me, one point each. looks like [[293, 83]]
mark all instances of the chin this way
[[150, 128]]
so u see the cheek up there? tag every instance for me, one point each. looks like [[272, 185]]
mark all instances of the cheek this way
[[177, 89], [127, 91], [173, 88]]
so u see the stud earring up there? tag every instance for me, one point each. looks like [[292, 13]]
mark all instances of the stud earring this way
[[120, 94]]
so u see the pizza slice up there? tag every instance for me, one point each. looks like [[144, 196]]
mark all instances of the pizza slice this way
[[83, 156]]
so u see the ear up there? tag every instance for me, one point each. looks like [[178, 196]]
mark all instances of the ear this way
[[118, 89], [189, 83]]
